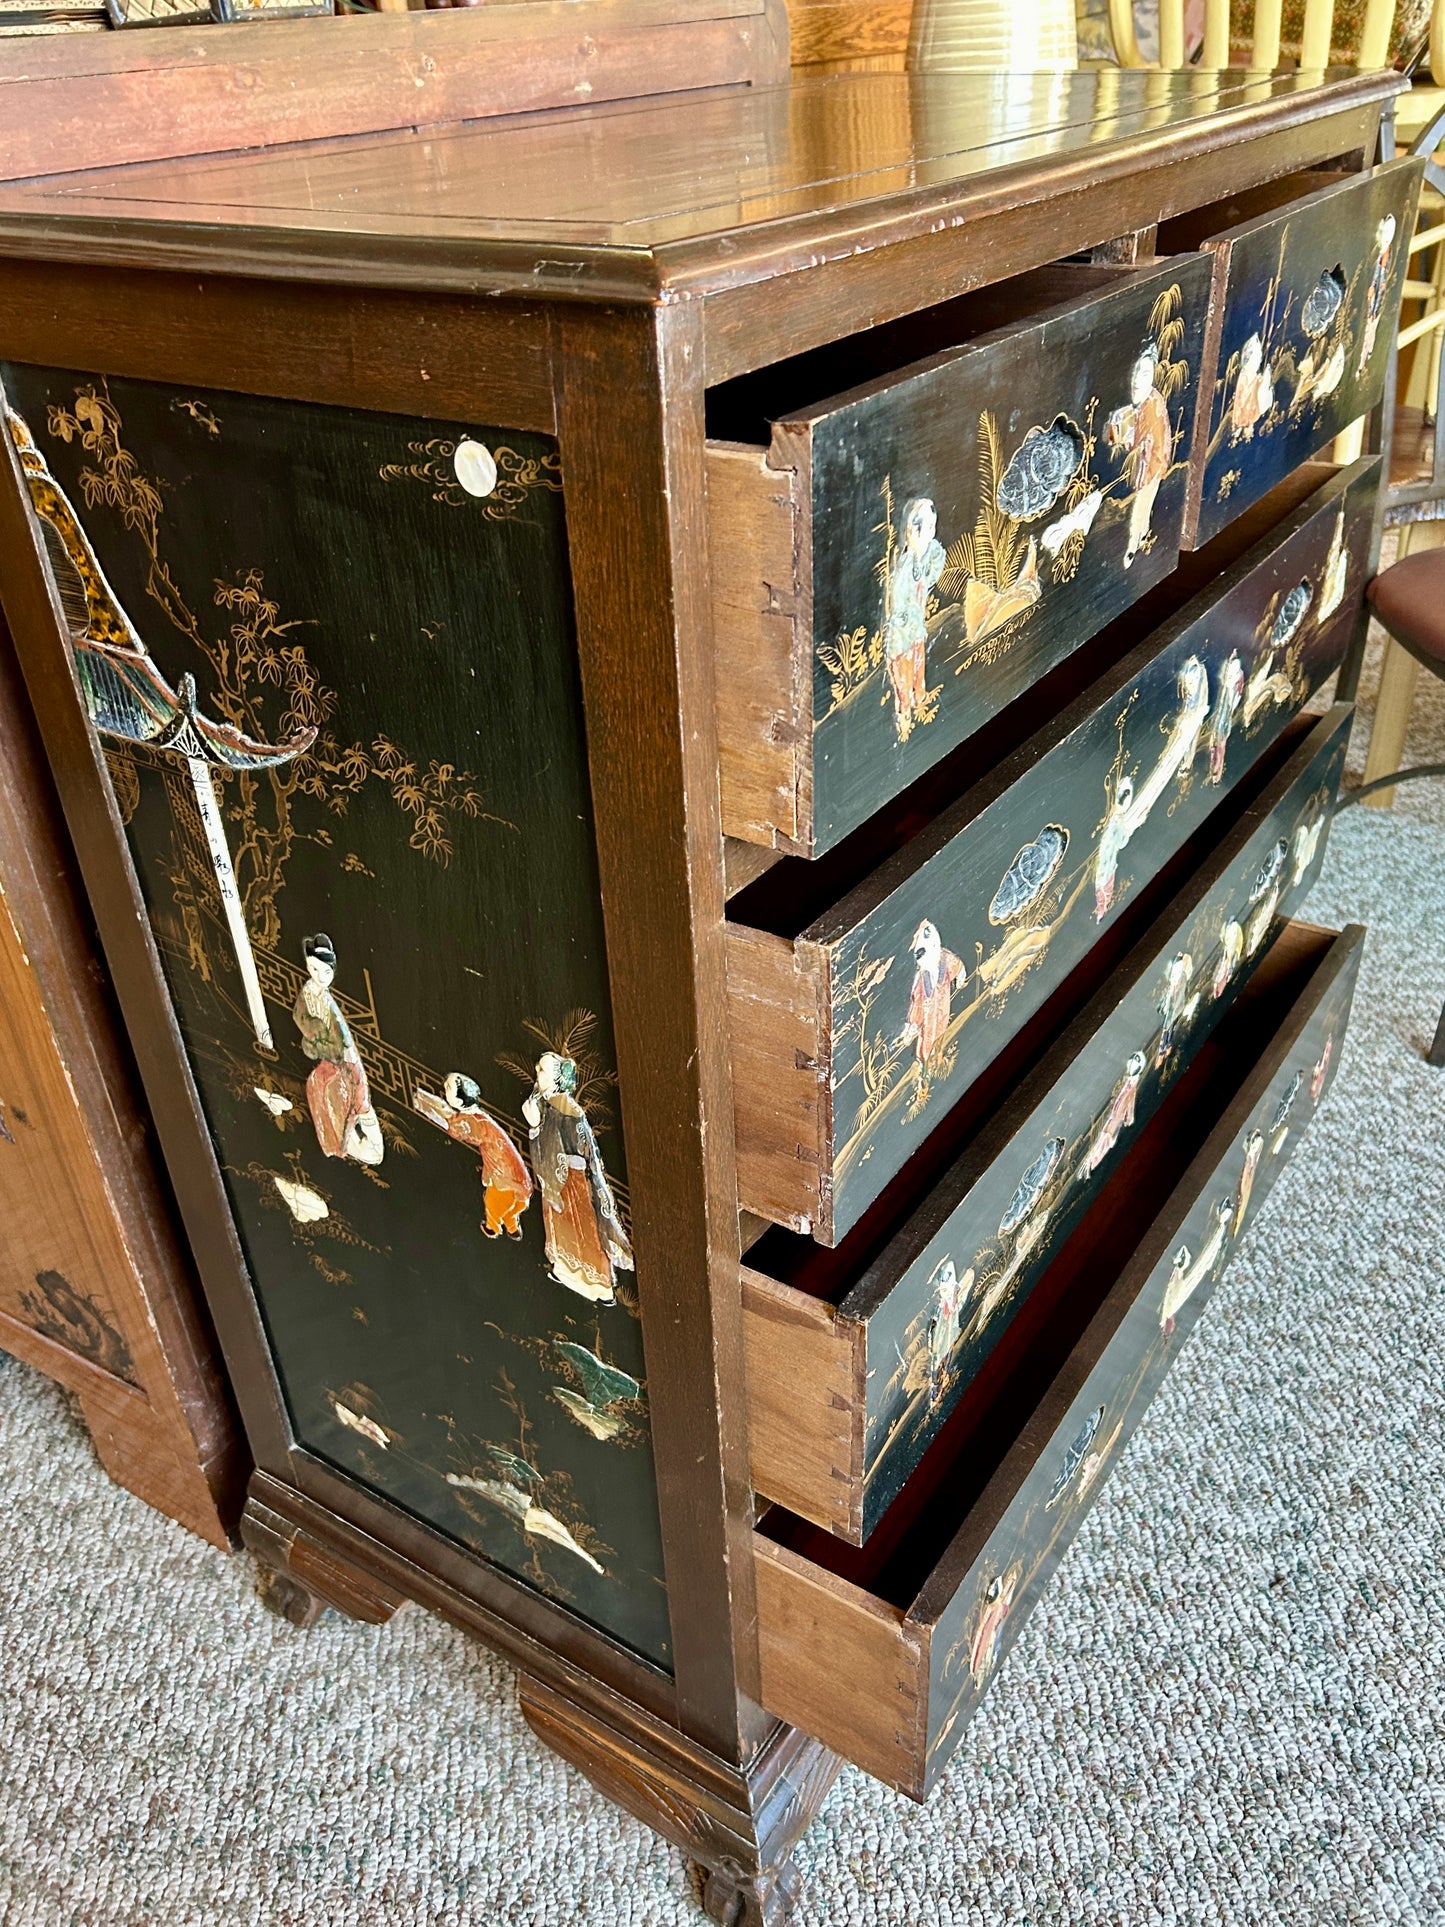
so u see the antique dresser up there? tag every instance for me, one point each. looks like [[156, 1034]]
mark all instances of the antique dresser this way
[[690, 727]]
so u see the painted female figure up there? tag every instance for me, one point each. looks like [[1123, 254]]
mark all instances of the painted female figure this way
[[336, 1091], [508, 1183], [949, 1294], [1141, 431], [905, 634], [586, 1244]]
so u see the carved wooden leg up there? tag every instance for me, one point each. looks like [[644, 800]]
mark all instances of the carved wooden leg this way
[[738, 1825], [300, 1578]]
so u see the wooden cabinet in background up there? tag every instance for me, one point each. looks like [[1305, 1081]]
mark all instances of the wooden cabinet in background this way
[[96, 1288]]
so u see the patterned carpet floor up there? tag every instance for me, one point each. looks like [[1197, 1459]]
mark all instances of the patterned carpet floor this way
[[1229, 1708]]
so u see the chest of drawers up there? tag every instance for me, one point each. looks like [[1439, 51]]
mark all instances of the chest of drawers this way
[[693, 787]]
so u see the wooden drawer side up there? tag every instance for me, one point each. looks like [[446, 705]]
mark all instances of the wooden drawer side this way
[[840, 1664], [806, 1401], [782, 1103], [761, 622]]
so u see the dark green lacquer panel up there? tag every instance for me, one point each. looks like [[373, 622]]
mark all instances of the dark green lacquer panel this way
[[331, 658], [977, 520], [934, 965], [951, 1297], [1310, 309], [1042, 1515]]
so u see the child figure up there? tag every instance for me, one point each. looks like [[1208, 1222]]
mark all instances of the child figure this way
[[1142, 434], [918, 566]]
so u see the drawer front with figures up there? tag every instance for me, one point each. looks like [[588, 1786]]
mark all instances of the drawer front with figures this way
[[918, 1622], [895, 564], [1305, 307], [854, 1034], [857, 1357]]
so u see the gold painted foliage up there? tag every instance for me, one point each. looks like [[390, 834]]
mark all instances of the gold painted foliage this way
[[255, 653], [574, 1037]]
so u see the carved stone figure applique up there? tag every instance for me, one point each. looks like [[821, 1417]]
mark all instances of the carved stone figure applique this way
[[1306, 847], [1279, 1123], [1321, 1070], [1189, 1272], [994, 1610], [1119, 1116], [1253, 1152], [905, 634], [1375, 299], [1264, 897], [950, 1293], [1141, 432], [937, 974], [1130, 808], [1253, 391], [505, 1176], [586, 1243], [1231, 953], [337, 1092], [1228, 695], [1176, 1006], [1337, 567]]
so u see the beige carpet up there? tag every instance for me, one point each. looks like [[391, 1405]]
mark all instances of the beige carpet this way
[[1230, 1707]]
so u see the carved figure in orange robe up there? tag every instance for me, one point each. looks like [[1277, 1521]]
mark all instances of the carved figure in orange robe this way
[[504, 1174]]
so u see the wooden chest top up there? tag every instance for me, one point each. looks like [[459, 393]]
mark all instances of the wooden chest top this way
[[676, 195]]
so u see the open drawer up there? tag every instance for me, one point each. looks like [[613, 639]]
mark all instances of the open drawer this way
[[1305, 307], [883, 1654], [857, 1357], [860, 1017], [907, 529]]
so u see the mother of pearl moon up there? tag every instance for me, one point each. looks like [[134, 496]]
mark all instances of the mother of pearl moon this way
[[475, 468]]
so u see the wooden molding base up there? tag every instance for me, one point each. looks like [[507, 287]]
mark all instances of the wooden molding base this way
[[301, 1577]]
